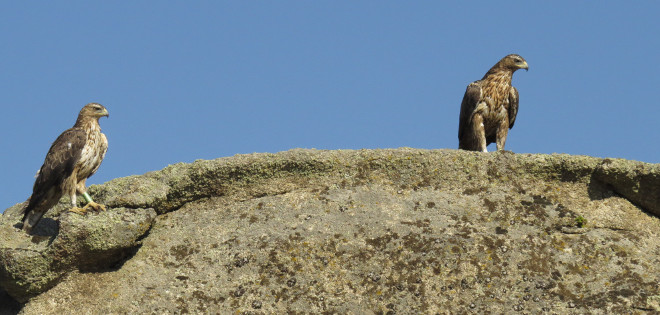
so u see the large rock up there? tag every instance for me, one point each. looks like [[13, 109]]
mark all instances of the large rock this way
[[369, 231], [32, 264]]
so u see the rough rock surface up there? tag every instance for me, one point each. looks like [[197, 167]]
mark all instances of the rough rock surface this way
[[32, 264], [402, 231]]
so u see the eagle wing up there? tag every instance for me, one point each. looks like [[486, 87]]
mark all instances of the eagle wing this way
[[513, 106], [470, 100], [58, 165]]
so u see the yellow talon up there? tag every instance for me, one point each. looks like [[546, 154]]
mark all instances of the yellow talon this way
[[95, 206]]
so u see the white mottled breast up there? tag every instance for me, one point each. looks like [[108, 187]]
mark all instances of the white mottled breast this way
[[496, 101], [93, 152]]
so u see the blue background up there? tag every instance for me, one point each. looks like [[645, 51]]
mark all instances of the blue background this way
[[188, 80]]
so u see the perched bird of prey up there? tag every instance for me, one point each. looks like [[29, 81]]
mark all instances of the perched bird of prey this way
[[74, 156], [490, 106]]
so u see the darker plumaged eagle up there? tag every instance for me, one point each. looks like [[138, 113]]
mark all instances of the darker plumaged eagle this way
[[74, 156], [490, 106]]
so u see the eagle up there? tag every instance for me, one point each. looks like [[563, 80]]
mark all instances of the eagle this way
[[74, 156], [490, 106]]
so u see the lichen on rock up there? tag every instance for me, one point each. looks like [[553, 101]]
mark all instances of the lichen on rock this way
[[367, 231], [32, 264]]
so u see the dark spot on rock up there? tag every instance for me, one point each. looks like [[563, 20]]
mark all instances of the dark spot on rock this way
[[540, 200], [240, 262], [499, 230], [296, 237], [563, 211], [201, 295], [430, 204], [291, 282], [182, 278], [373, 277], [473, 191], [381, 242], [239, 291], [555, 275], [491, 205], [180, 252]]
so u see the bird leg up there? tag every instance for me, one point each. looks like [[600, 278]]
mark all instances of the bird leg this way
[[91, 204], [95, 206], [502, 131], [479, 132], [75, 208]]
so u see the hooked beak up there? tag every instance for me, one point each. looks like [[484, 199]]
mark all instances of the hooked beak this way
[[525, 66]]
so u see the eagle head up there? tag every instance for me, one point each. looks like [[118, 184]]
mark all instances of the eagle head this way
[[94, 110], [514, 62]]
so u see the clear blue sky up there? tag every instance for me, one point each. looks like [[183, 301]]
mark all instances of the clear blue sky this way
[[187, 80]]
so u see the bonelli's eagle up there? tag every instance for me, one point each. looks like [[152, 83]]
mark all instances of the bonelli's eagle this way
[[490, 106], [74, 156]]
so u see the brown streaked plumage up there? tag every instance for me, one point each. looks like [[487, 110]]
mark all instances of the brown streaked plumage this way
[[74, 156], [490, 106]]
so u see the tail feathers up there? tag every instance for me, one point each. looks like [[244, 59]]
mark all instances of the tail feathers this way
[[32, 215], [31, 219], [38, 204], [24, 210]]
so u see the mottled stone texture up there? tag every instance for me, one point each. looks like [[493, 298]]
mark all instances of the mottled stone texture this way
[[400, 231]]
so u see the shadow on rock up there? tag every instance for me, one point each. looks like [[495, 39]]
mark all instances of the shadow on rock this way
[[636, 181], [32, 264], [8, 306]]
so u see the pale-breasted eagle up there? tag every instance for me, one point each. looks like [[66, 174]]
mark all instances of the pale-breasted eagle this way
[[74, 156], [490, 106]]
